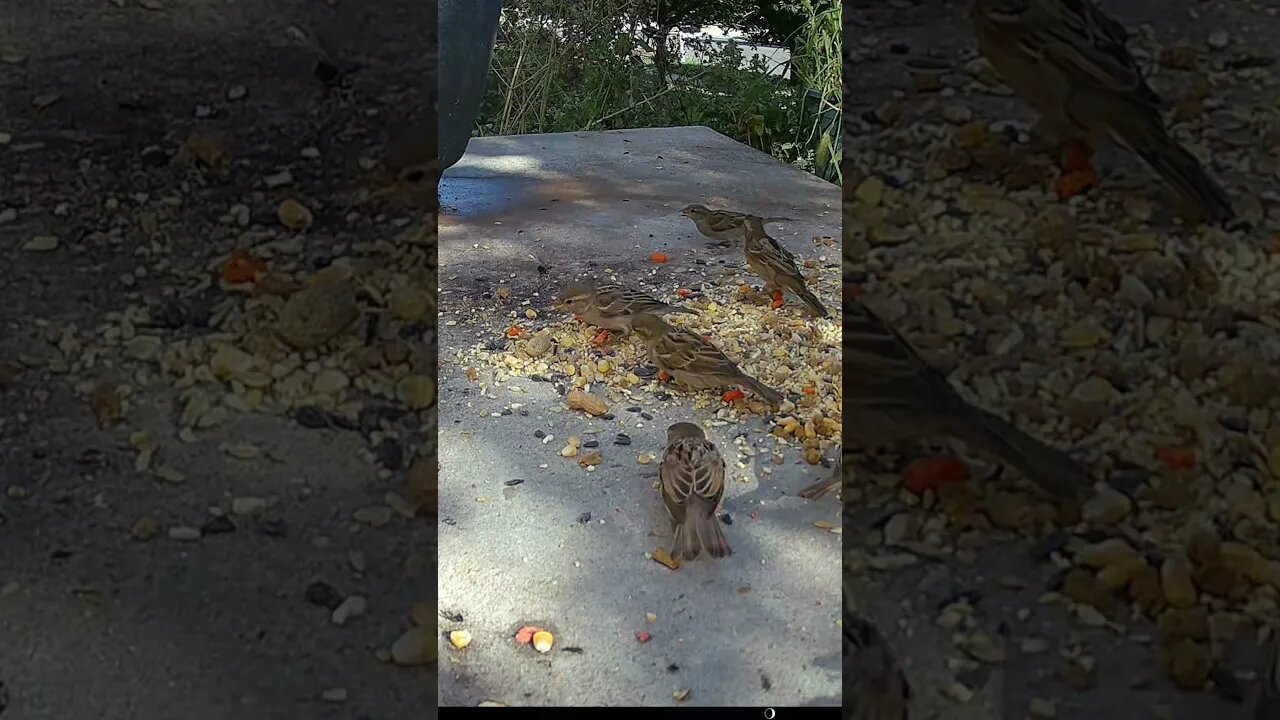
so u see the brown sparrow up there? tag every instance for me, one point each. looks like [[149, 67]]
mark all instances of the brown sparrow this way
[[893, 395], [692, 360], [692, 474], [611, 307], [722, 225], [1268, 707], [1069, 61], [777, 266], [874, 686]]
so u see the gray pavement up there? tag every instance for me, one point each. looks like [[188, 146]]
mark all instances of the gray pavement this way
[[566, 548]]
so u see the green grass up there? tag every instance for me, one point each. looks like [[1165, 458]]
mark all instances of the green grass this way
[[569, 66]]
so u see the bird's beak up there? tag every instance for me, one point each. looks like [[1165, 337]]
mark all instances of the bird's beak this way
[[684, 213]]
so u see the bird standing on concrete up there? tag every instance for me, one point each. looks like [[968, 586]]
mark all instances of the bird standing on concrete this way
[[692, 475]]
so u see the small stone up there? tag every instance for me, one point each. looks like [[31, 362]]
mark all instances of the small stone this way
[[1219, 39], [415, 647], [8, 215], [1176, 584], [237, 92], [41, 243], [144, 529], [144, 347], [417, 391], [1189, 664], [957, 114], [322, 594], [294, 215], [1107, 507], [1042, 709], [185, 533], [410, 303], [375, 516], [278, 180], [869, 192], [351, 608], [623, 439], [334, 695], [248, 505], [644, 458], [330, 382]]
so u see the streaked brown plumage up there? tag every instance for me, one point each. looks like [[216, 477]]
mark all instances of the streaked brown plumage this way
[[693, 361], [723, 225], [612, 307], [892, 395], [1070, 62], [776, 265], [692, 475]]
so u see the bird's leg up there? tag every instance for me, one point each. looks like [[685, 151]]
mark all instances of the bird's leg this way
[[1078, 174], [601, 337]]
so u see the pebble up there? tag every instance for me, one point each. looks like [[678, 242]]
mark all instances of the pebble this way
[[184, 533], [248, 505], [8, 215], [957, 114], [144, 529], [415, 647], [42, 243], [236, 92], [334, 695], [278, 180], [144, 347], [1219, 39], [374, 516], [323, 594], [351, 608], [417, 391], [622, 439]]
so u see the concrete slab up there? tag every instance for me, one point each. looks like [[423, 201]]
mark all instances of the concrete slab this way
[[566, 548]]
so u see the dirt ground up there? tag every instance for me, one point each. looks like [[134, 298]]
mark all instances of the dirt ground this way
[[196, 519], [985, 593]]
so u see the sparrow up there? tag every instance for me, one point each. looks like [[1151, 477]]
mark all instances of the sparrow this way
[[722, 225], [1069, 61], [1268, 706], [611, 307], [777, 266], [692, 360], [692, 475], [893, 395], [875, 688]]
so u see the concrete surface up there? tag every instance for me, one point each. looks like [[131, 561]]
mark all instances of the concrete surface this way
[[755, 629], [95, 625], [1130, 683]]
